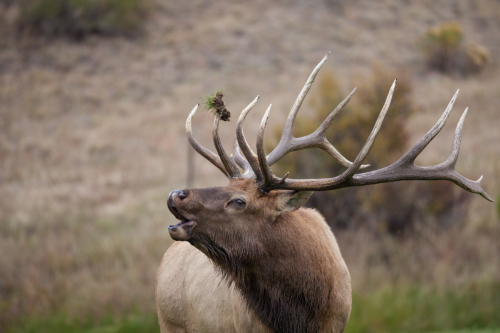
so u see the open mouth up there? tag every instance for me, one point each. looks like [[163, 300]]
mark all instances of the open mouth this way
[[183, 221]]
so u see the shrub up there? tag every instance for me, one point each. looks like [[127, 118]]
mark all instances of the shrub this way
[[476, 58], [393, 207], [80, 18], [446, 50]]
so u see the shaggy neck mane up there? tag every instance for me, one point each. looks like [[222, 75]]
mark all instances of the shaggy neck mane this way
[[285, 276]]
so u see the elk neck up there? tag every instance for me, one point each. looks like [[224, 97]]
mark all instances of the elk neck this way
[[290, 272]]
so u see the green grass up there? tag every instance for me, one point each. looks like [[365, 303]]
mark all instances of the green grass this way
[[473, 331], [139, 323], [424, 309], [474, 308], [79, 18]]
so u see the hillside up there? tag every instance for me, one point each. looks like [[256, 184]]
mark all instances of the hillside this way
[[92, 136]]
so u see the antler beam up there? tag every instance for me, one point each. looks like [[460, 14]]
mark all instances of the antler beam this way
[[403, 169]]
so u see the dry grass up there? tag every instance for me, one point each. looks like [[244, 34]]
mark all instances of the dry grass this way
[[91, 140]]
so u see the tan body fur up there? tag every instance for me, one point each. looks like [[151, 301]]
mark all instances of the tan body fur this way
[[193, 296]]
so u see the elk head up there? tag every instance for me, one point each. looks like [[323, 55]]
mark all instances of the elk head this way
[[255, 197]]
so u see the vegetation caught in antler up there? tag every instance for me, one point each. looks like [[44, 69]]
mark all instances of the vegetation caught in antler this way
[[403, 169], [216, 105]]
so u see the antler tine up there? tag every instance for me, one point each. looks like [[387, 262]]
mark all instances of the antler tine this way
[[317, 139], [455, 147], [449, 164], [413, 153], [214, 159], [241, 161], [264, 166], [403, 169], [228, 162], [371, 139], [328, 183], [287, 131], [244, 146]]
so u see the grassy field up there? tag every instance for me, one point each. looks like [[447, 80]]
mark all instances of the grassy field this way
[[389, 309], [92, 141]]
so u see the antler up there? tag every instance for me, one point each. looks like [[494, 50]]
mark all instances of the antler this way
[[258, 166], [229, 164], [403, 169], [245, 147], [314, 140], [224, 162]]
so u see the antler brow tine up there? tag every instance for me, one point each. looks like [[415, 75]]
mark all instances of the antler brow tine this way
[[211, 157]]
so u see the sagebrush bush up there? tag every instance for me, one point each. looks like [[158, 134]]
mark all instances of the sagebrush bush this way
[[80, 18], [446, 50], [393, 207]]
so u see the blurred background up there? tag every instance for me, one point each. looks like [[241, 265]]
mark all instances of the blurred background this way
[[94, 95]]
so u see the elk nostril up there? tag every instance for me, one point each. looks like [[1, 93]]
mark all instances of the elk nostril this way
[[182, 195], [177, 193]]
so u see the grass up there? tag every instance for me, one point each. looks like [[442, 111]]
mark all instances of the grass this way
[[424, 309], [97, 129], [389, 309], [139, 323], [490, 330], [79, 18]]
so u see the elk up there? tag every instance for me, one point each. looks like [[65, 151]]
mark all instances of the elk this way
[[248, 258]]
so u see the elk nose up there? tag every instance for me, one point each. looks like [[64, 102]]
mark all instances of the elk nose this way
[[178, 193]]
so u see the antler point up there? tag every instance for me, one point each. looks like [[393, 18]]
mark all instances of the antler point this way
[[486, 196]]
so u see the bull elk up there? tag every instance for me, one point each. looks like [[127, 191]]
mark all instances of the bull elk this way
[[248, 257]]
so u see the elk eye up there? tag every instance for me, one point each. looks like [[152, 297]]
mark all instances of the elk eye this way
[[239, 202]]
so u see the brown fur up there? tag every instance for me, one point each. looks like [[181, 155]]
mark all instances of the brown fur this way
[[284, 263]]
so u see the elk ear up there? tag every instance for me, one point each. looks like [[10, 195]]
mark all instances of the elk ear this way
[[289, 201]]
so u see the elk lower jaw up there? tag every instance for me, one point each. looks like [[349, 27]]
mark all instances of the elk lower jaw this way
[[181, 231]]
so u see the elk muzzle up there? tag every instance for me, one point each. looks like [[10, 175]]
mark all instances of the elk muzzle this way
[[181, 231]]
